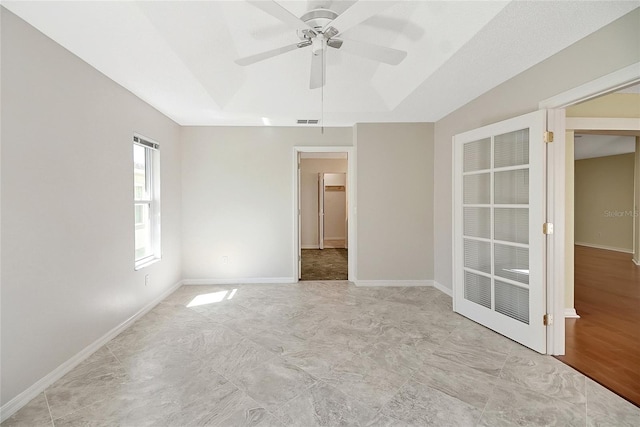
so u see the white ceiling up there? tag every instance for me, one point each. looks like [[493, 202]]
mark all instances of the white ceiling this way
[[179, 55], [588, 146]]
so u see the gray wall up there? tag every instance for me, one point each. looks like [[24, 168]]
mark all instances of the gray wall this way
[[67, 205], [395, 201], [604, 188], [237, 193], [237, 185], [611, 48]]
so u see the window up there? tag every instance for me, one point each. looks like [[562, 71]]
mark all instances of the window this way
[[146, 200]]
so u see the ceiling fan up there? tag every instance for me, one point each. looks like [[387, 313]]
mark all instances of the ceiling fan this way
[[320, 28]]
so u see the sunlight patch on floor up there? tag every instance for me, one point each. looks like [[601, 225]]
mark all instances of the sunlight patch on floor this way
[[212, 298]]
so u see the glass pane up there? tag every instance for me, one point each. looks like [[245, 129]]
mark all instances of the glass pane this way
[[142, 231], [477, 155], [512, 263], [477, 255], [511, 225], [140, 185], [512, 301], [511, 149], [477, 189], [512, 187], [477, 288], [477, 222]]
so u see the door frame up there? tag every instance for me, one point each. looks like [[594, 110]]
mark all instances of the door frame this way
[[556, 200], [321, 210], [351, 209]]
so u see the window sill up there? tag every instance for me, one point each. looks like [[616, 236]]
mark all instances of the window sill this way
[[145, 263]]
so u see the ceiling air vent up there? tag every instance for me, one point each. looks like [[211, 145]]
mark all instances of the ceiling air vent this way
[[307, 121]]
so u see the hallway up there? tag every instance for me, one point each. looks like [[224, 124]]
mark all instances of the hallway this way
[[324, 264]]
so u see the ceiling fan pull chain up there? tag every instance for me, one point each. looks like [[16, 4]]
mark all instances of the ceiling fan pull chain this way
[[322, 95]]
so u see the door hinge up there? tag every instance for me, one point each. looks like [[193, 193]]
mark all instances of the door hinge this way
[[547, 228], [548, 136], [547, 320]]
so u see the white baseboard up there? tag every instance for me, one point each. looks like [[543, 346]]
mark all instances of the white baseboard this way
[[239, 281], [310, 247], [15, 404], [570, 313], [397, 283], [635, 262], [442, 288], [335, 238], [608, 248]]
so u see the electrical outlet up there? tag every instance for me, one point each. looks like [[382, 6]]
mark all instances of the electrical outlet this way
[[146, 280], [225, 260]]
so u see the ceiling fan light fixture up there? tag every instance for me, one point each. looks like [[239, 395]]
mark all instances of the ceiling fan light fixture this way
[[334, 43], [330, 32], [318, 45]]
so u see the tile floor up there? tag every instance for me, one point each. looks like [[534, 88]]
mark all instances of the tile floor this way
[[319, 353]]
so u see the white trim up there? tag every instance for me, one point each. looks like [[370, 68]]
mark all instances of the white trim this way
[[352, 203], [555, 246], [602, 123], [335, 238], [146, 262], [310, 246], [635, 262], [393, 283], [239, 281], [611, 82], [15, 404], [571, 313], [442, 288], [619, 79], [608, 248]]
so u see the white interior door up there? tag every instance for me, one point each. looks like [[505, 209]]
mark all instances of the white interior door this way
[[320, 211], [499, 244]]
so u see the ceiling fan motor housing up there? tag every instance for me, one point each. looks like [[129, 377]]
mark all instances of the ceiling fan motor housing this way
[[318, 18]]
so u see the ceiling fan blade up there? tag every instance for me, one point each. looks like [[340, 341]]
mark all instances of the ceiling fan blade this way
[[279, 12], [252, 59], [384, 54], [317, 71], [359, 12]]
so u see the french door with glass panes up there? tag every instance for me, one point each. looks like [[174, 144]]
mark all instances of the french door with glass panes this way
[[499, 211]]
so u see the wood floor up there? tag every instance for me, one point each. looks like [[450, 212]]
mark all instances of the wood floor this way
[[604, 343]]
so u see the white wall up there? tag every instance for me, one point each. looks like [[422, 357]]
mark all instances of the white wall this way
[[238, 199], [395, 201], [67, 213], [609, 49], [309, 170]]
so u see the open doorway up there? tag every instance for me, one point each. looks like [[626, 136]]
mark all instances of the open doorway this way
[[602, 338], [323, 216]]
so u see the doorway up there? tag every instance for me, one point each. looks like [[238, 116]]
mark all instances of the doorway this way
[[325, 226], [601, 325], [324, 219]]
